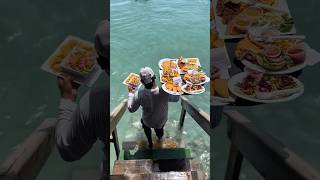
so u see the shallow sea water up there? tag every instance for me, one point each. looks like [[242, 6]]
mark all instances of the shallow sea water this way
[[142, 33], [146, 32], [29, 32], [294, 123]]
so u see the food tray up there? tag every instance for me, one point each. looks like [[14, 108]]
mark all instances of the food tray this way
[[239, 77], [46, 66], [193, 92], [129, 77], [68, 69], [222, 28]]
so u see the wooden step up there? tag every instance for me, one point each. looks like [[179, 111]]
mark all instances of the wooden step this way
[[156, 154], [148, 166], [80, 173], [167, 143], [192, 175], [121, 167], [143, 169]]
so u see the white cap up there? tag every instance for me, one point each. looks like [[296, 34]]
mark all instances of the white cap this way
[[102, 38], [146, 75]]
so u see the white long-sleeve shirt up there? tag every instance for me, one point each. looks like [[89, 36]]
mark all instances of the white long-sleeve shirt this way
[[79, 126], [154, 103]]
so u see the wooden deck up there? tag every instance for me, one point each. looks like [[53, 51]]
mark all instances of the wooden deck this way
[[140, 164], [271, 159], [26, 161]]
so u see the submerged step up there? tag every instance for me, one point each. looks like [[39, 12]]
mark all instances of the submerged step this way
[[156, 154], [150, 169], [192, 175], [149, 166], [167, 143]]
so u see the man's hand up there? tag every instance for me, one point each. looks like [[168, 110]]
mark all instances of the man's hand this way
[[68, 89], [131, 88]]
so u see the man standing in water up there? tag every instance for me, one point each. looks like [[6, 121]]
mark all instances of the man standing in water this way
[[81, 125], [154, 102]]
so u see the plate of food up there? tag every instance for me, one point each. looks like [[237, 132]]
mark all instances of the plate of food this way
[[166, 76], [186, 64], [272, 3], [279, 55], [265, 88], [219, 87], [168, 63], [133, 79], [80, 61], [195, 77], [235, 18], [215, 40], [54, 64], [193, 89], [173, 89]]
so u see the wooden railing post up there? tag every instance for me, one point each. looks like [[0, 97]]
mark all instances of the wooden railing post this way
[[27, 160], [200, 116], [116, 114], [115, 117], [215, 115], [234, 163], [267, 155], [116, 142], [182, 117]]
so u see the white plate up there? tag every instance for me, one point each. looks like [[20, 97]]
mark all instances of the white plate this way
[[160, 74], [68, 69], [217, 101], [170, 92], [164, 60], [222, 28], [276, 5], [292, 69], [285, 71], [198, 63], [222, 100], [194, 92], [239, 77], [88, 81], [206, 81], [131, 74]]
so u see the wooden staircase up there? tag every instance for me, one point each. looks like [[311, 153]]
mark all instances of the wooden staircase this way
[[169, 159], [136, 162]]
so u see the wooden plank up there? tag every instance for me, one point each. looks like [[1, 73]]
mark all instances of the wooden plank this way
[[85, 173], [191, 175], [200, 116], [159, 154], [269, 157], [182, 117], [234, 163], [27, 160], [216, 115], [116, 114], [116, 142], [121, 167]]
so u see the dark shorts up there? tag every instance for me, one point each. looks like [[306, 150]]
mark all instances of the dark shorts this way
[[147, 130]]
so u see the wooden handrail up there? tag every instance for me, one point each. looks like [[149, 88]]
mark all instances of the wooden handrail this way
[[200, 116], [115, 117], [116, 114], [29, 157], [269, 157]]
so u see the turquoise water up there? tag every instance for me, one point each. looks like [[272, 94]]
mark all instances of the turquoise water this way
[[143, 32], [295, 123], [29, 32]]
